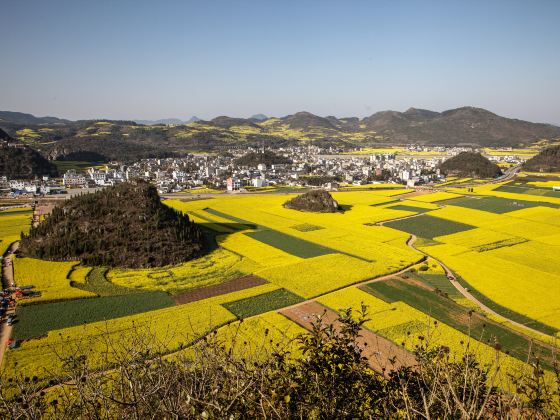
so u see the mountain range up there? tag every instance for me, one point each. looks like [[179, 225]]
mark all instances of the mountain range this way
[[58, 138], [168, 121]]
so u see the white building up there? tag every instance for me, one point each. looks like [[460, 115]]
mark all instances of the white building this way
[[73, 179], [233, 184], [259, 182]]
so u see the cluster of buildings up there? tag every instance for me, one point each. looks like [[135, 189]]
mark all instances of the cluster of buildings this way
[[41, 186], [310, 165]]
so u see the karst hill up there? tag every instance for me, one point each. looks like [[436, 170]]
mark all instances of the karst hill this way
[[318, 201], [470, 164], [120, 226], [548, 160]]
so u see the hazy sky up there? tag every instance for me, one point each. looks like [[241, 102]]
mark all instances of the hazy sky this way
[[155, 59]]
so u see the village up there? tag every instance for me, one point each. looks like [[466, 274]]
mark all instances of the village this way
[[310, 166]]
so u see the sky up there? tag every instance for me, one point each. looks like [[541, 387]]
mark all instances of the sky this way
[[122, 59]]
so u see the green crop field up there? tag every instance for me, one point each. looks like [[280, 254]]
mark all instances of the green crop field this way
[[450, 313], [496, 205], [440, 282], [523, 188], [37, 320], [97, 283], [290, 244], [266, 302], [428, 227]]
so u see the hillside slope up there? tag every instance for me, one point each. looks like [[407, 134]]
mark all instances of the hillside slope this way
[[469, 164], [129, 140], [22, 162], [548, 160], [121, 226]]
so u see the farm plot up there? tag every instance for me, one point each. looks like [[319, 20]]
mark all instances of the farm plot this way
[[523, 188], [230, 286], [480, 239], [491, 204], [260, 336], [315, 276], [165, 330], [516, 291], [49, 278], [266, 302], [290, 244], [217, 266], [96, 282], [446, 311], [38, 320], [404, 325], [439, 282], [435, 197], [264, 254], [413, 209], [12, 223], [428, 227]]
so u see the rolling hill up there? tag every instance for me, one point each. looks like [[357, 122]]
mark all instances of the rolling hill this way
[[469, 164], [129, 140], [121, 226], [548, 160], [17, 161]]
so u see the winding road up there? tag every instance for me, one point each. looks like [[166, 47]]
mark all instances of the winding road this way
[[453, 279], [7, 282]]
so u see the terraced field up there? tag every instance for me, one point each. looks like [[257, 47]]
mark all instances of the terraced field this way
[[267, 258]]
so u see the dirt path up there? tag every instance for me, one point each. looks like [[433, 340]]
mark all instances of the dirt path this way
[[7, 282], [453, 279], [383, 355]]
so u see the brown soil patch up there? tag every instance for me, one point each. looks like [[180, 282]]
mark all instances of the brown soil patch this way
[[240, 283], [383, 355]]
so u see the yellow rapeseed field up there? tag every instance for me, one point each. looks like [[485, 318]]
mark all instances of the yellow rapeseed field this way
[[512, 284], [49, 278], [315, 276], [169, 328], [395, 320], [217, 266]]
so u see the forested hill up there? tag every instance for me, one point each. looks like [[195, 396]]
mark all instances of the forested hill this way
[[469, 164], [548, 160], [18, 161], [123, 140], [121, 226]]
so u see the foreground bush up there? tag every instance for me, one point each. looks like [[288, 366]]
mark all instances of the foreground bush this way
[[331, 380]]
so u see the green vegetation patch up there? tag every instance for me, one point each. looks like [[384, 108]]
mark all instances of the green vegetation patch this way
[[409, 208], [496, 205], [523, 188], [306, 227], [290, 244], [38, 320], [439, 282], [97, 283], [246, 223], [445, 310], [428, 226], [76, 165], [266, 302], [499, 244]]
